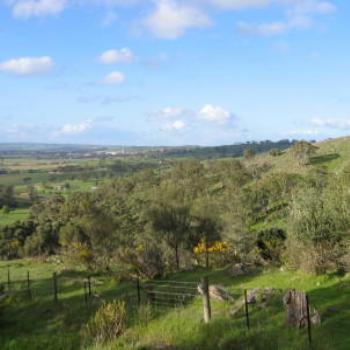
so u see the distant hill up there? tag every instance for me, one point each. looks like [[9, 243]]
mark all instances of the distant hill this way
[[235, 150], [60, 150]]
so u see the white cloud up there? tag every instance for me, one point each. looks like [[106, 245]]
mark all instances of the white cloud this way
[[30, 8], [299, 14], [171, 19], [123, 55], [176, 125], [331, 123], [27, 65], [239, 4], [272, 28], [170, 112], [114, 78], [205, 118], [74, 129], [303, 132], [309, 7], [215, 114]]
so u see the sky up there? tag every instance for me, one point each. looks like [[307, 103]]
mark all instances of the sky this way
[[173, 72]]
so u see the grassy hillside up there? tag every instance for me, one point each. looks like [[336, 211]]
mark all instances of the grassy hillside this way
[[332, 155], [44, 324]]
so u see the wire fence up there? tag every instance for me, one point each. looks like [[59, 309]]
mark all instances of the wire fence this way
[[251, 306]]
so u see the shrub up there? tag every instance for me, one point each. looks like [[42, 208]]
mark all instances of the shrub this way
[[315, 258], [271, 244], [318, 227], [107, 324], [5, 209]]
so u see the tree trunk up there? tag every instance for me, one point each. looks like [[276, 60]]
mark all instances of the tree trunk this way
[[206, 255]]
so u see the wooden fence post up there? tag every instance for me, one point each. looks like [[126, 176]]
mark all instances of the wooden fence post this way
[[55, 291], [308, 319], [206, 300], [138, 291], [246, 309], [28, 285]]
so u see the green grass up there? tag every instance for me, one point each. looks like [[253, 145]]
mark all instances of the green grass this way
[[40, 323], [333, 155], [13, 216], [43, 324]]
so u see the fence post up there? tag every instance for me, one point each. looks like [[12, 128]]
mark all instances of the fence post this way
[[206, 300], [308, 319], [246, 309], [89, 285], [138, 287], [28, 285], [85, 293], [55, 291], [8, 278]]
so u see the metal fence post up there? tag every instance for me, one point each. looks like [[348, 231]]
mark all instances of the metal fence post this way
[[308, 319], [8, 278], [246, 309], [138, 287], [89, 285], [55, 291], [28, 285], [85, 293]]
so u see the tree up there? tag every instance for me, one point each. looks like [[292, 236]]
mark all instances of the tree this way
[[173, 222], [7, 196], [248, 154], [302, 151], [206, 224], [274, 152], [319, 223], [171, 218], [32, 194]]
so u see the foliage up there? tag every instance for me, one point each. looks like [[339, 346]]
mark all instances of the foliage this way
[[271, 245], [302, 151], [107, 324], [248, 154], [319, 221], [7, 196]]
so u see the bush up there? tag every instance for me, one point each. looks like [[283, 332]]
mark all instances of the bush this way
[[316, 259], [107, 324], [271, 244], [318, 227]]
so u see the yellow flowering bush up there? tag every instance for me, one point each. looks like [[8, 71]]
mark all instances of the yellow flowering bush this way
[[214, 247]]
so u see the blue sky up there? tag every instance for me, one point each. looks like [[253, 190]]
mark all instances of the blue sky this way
[[173, 72]]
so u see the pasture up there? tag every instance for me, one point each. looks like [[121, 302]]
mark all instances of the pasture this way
[[46, 324]]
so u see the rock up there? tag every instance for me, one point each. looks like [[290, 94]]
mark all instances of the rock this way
[[239, 270], [216, 292], [315, 318], [251, 296], [259, 295]]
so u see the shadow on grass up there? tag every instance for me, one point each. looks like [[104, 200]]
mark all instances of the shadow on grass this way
[[268, 329], [42, 323], [220, 276], [324, 158]]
